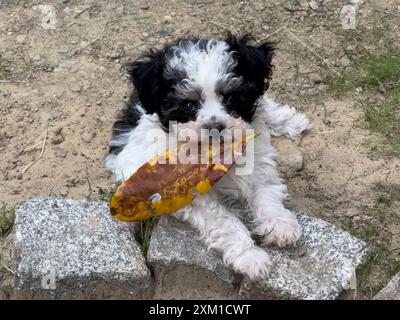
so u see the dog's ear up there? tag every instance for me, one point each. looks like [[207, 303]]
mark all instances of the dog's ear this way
[[146, 74], [254, 62]]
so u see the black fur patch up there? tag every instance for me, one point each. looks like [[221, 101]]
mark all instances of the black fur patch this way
[[128, 120], [254, 66]]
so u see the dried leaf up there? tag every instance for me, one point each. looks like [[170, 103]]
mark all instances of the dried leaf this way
[[162, 187]]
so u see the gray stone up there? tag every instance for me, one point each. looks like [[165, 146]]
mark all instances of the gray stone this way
[[183, 267], [320, 267], [74, 249], [391, 291], [325, 267]]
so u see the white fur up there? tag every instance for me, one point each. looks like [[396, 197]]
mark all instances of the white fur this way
[[282, 120], [264, 191]]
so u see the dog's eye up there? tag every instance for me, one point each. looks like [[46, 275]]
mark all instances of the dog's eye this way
[[189, 104], [234, 113]]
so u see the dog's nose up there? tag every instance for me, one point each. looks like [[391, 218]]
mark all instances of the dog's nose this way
[[217, 125]]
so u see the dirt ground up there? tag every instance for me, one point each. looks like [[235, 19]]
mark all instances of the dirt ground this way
[[68, 83]]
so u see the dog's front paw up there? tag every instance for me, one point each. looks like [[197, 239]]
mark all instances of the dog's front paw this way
[[253, 262], [281, 231]]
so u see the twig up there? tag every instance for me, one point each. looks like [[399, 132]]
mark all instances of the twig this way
[[88, 181], [33, 147], [384, 11], [81, 12], [307, 46], [383, 227], [5, 81], [8, 269], [325, 120], [202, 3], [74, 52], [269, 35], [41, 153], [352, 169], [219, 26], [370, 290]]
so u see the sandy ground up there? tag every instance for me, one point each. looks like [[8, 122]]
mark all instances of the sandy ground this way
[[69, 82]]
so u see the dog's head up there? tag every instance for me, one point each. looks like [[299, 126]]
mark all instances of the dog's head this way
[[204, 83]]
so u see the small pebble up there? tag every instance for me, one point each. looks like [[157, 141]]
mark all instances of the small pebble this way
[[87, 136], [314, 5], [315, 77]]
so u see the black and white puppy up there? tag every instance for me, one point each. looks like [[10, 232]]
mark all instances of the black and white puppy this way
[[206, 83]]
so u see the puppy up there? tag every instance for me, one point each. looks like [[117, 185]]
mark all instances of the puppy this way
[[207, 83]]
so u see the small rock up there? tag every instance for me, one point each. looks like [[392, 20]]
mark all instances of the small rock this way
[[145, 7], [322, 87], [76, 88], [70, 183], [351, 213], [315, 77], [19, 176], [344, 61], [164, 33], [58, 137], [11, 166], [314, 5], [20, 38], [60, 153], [67, 63], [356, 2], [87, 136], [290, 159], [36, 57], [382, 88], [259, 7]]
